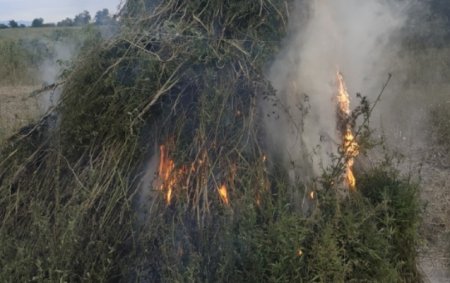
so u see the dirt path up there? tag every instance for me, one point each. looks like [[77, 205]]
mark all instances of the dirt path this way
[[434, 256], [430, 166], [410, 132]]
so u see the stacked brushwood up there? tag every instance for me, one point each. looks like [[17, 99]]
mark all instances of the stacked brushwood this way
[[186, 74]]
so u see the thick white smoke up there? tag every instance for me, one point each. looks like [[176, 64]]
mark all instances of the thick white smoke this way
[[51, 68], [357, 38]]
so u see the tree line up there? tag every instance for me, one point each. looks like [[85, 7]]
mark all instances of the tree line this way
[[102, 17]]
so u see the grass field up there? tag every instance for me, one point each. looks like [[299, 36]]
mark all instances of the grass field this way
[[27, 54], [33, 33], [29, 58]]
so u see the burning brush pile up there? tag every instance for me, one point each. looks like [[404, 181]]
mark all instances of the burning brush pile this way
[[152, 167]]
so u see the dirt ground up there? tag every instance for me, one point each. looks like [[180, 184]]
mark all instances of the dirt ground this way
[[428, 164], [411, 134], [434, 255]]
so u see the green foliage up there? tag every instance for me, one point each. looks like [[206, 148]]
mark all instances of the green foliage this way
[[370, 236], [398, 211], [66, 223]]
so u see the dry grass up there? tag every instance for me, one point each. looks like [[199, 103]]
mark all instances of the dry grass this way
[[17, 108]]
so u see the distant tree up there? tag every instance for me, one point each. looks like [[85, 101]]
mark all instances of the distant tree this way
[[13, 24], [102, 17], [22, 26], [3, 26], [39, 22], [68, 22], [82, 19]]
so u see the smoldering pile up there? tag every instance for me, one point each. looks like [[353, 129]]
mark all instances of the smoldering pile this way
[[158, 168], [184, 77]]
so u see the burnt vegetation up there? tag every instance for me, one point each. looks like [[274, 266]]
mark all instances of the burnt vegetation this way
[[188, 74]]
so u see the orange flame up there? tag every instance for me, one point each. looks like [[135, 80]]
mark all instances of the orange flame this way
[[166, 165], [171, 179], [350, 146], [166, 174], [343, 97], [223, 193]]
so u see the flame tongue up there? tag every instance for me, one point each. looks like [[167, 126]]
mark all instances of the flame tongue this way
[[349, 144], [223, 193], [343, 97], [166, 173], [171, 180]]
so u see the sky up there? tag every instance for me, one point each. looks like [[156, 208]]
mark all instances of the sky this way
[[52, 10]]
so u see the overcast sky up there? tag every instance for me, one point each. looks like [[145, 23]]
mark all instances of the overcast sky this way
[[52, 10]]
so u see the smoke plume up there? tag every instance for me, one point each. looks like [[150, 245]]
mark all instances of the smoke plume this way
[[357, 38]]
